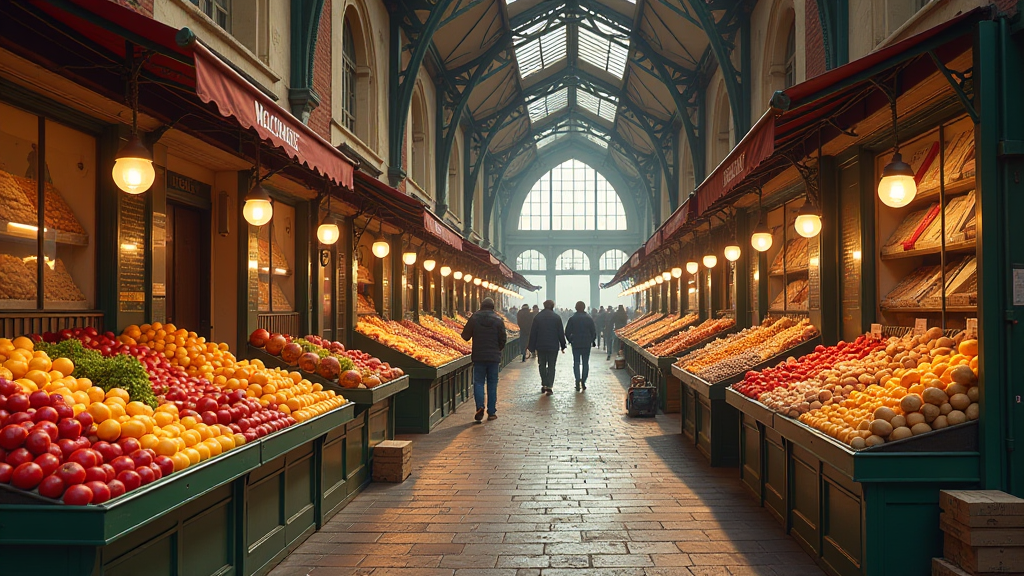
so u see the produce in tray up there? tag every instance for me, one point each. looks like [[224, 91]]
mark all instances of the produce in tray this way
[[89, 417], [329, 360], [667, 325], [433, 328], [691, 336], [511, 327], [58, 285], [364, 304], [397, 337], [18, 201], [737, 353], [631, 328], [795, 257], [14, 281]]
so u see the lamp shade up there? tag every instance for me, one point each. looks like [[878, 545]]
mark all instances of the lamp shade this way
[[666, 275], [409, 258], [761, 239], [476, 281], [659, 280], [677, 272], [328, 233], [897, 187], [258, 210], [429, 265], [692, 267], [732, 253], [710, 260], [457, 275], [133, 170], [808, 223], [380, 247], [467, 277]]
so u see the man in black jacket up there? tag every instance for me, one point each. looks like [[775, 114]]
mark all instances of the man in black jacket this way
[[487, 330], [524, 318], [617, 320], [546, 338], [581, 332]]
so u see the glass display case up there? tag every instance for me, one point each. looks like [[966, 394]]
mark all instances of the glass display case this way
[[788, 261]]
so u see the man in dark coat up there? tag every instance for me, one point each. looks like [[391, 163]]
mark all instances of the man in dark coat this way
[[525, 320], [599, 322], [546, 338], [581, 332], [617, 320], [487, 331]]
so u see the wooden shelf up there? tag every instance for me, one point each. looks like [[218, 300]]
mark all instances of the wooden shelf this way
[[803, 270], [28, 236], [969, 246], [931, 310], [952, 189]]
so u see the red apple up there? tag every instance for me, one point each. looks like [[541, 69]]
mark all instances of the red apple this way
[[96, 474], [48, 462], [18, 457], [86, 457], [146, 474], [130, 479], [51, 487], [78, 495], [100, 491], [116, 488], [27, 476], [122, 463], [71, 473], [165, 463], [47, 426], [69, 428], [12, 437]]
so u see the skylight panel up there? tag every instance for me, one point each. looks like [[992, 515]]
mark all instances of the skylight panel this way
[[541, 107], [598, 140], [602, 52], [550, 139], [541, 52], [598, 105]]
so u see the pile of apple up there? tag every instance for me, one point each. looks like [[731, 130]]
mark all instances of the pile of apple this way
[[44, 446], [329, 360]]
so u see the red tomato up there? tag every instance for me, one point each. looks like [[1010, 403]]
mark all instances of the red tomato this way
[[95, 474], [6, 471], [12, 437], [116, 488], [146, 474], [78, 495], [51, 487], [100, 491], [71, 473], [86, 457], [48, 462], [27, 476]]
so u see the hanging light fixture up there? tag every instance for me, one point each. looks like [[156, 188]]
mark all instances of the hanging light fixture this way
[[467, 277], [457, 275], [897, 187], [710, 260], [732, 252], [380, 247], [257, 210], [677, 272], [667, 275], [692, 267], [659, 280], [430, 263], [808, 223], [328, 233], [133, 170], [409, 258], [761, 239]]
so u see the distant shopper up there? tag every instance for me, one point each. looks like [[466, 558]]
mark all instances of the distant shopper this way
[[599, 322], [525, 320], [546, 338], [487, 331], [617, 320], [581, 333]]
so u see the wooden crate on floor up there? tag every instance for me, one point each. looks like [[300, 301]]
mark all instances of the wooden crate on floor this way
[[392, 461], [983, 533]]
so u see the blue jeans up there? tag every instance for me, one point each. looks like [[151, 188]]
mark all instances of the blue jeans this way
[[581, 355], [486, 371]]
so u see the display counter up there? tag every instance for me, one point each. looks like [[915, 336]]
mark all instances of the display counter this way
[[433, 393], [239, 513], [513, 349]]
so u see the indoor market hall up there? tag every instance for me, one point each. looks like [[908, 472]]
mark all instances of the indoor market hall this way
[[511, 288]]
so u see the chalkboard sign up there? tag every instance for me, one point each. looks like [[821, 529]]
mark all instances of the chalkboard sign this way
[[131, 277]]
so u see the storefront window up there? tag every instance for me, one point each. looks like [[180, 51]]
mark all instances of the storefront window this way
[[276, 275], [788, 278], [67, 166]]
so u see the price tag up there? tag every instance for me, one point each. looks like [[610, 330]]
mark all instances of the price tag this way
[[920, 326], [972, 328], [876, 331]]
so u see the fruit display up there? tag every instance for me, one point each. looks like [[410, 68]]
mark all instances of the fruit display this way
[[328, 360], [87, 416], [793, 258], [441, 332], [511, 327], [18, 202], [740, 352], [364, 305], [872, 391], [638, 323], [923, 286], [667, 325], [397, 337], [691, 336]]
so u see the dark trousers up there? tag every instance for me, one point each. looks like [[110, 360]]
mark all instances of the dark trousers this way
[[581, 356], [486, 373], [546, 362], [613, 343]]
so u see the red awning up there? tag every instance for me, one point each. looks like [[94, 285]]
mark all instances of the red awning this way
[[218, 84], [677, 219], [754, 148], [438, 228], [653, 243], [401, 210]]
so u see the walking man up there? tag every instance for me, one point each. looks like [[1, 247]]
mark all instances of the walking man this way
[[487, 331], [525, 320], [618, 320], [599, 321], [581, 332], [546, 338]]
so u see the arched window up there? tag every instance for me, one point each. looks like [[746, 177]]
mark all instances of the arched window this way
[[531, 261], [613, 259], [348, 76], [790, 62], [572, 260], [572, 196]]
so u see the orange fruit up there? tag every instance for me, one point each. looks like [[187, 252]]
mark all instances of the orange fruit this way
[[191, 437], [119, 393], [149, 440], [193, 455], [203, 449], [136, 408], [16, 366], [214, 446], [163, 418], [23, 343], [166, 447], [108, 430], [133, 429], [100, 412]]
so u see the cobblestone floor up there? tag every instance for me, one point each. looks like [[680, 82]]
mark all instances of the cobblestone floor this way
[[565, 485]]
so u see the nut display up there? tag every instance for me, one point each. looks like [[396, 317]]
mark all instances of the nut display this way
[[656, 330], [407, 340], [739, 352], [57, 283], [691, 336]]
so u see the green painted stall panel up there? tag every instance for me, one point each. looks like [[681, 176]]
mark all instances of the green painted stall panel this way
[[804, 498], [842, 526], [689, 412], [333, 482], [264, 519], [300, 495], [702, 424], [775, 473], [750, 455], [355, 453], [154, 558], [207, 542], [377, 424]]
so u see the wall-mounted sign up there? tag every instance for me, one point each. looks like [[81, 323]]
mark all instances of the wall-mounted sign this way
[[183, 183]]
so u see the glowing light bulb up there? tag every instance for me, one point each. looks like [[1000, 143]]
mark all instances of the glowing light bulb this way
[[429, 265], [380, 247], [692, 267], [710, 260], [732, 253], [409, 258], [677, 272], [328, 233], [258, 209], [897, 187], [133, 170]]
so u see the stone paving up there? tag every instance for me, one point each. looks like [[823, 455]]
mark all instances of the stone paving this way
[[565, 485]]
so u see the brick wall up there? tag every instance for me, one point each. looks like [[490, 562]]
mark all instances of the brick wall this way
[[144, 7], [1008, 7], [814, 41], [320, 118]]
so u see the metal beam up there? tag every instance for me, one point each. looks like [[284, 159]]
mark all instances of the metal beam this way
[[834, 18], [664, 141], [723, 52], [402, 82]]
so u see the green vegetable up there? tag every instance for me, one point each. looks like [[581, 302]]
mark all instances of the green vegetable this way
[[118, 371]]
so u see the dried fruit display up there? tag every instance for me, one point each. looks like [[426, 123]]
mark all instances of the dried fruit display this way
[[281, 303], [795, 256], [663, 327], [511, 327], [364, 305], [434, 328], [14, 206], [638, 323], [751, 348], [691, 336], [280, 260], [18, 201], [794, 297], [399, 338]]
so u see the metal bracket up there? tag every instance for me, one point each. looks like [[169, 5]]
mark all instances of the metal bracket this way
[[962, 84]]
